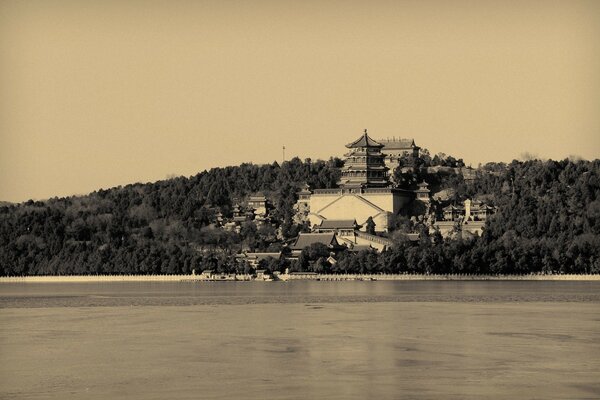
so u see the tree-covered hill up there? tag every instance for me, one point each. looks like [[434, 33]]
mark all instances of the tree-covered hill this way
[[548, 220], [152, 227]]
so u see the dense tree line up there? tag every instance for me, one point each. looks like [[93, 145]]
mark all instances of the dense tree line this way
[[425, 160], [548, 220], [161, 227]]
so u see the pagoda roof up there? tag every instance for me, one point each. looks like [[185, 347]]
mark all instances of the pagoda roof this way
[[364, 141]]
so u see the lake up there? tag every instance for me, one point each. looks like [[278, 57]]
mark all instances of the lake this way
[[300, 340]]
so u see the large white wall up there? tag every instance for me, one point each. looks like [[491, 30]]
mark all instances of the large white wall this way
[[379, 206]]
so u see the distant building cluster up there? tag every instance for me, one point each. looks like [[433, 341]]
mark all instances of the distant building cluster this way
[[364, 191], [256, 209], [357, 214], [469, 217], [396, 149]]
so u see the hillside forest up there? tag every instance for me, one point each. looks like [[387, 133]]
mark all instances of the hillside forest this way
[[547, 221]]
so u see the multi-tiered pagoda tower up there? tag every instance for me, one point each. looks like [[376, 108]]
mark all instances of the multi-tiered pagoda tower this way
[[365, 165], [364, 191]]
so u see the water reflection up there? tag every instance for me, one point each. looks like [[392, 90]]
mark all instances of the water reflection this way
[[215, 293], [338, 340]]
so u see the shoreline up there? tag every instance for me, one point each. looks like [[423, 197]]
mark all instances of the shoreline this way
[[295, 277]]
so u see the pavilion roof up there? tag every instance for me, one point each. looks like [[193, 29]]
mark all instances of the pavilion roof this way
[[364, 141], [306, 239], [257, 196]]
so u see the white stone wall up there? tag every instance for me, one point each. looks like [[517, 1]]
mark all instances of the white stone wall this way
[[379, 206]]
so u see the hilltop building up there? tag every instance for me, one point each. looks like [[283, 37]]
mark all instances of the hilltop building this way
[[256, 210], [258, 203], [365, 165], [302, 206], [397, 148], [364, 190], [470, 211], [470, 217]]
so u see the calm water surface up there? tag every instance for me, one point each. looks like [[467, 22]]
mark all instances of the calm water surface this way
[[300, 340]]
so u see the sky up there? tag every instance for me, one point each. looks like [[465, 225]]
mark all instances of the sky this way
[[95, 94]]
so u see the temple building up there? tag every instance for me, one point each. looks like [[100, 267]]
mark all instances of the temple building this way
[[470, 211], [302, 206], [469, 217], [256, 210], [258, 203], [364, 190], [306, 239], [365, 165], [423, 192], [397, 148]]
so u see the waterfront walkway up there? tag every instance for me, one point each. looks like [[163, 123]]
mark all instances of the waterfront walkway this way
[[298, 276]]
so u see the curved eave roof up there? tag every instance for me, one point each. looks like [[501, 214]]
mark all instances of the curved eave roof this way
[[364, 141]]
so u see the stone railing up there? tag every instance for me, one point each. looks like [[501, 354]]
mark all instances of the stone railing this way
[[438, 277], [374, 238], [377, 190], [297, 276], [327, 191], [121, 278]]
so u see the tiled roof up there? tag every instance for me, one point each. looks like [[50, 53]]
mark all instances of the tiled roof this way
[[391, 144], [260, 196], [338, 224], [306, 239], [364, 141]]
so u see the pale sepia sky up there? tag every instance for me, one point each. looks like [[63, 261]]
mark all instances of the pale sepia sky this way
[[95, 94]]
